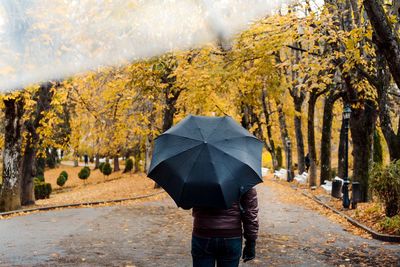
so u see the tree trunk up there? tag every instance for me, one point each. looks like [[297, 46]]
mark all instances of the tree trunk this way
[[326, 137], [299, 135], [311, 139], [10, 192], [28, 173], [362, 125], [285, 138], [391, 137], [97, 162], [385, 36], [148, 153], [171, 97], [43, 103], [282, 126], [116, 164], [271, 143]]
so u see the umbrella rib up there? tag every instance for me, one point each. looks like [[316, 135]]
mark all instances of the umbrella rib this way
[[174, 134], [177, 154], [216, 128], [235, 157], [191, 169], [198, 127]]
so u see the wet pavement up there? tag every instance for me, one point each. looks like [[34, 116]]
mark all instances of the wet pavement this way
[[158, 234]]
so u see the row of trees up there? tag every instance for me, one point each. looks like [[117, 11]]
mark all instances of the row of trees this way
[[287, 70]]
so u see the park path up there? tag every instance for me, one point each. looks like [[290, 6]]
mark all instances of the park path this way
[[156, 233]]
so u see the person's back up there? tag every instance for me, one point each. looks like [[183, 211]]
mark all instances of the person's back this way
[[217, 233]]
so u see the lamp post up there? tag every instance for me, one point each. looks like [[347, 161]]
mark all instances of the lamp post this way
[[345, 189]]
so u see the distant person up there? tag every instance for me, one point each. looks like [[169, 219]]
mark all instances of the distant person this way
[[86, 159], [217, 233], [307, 162]]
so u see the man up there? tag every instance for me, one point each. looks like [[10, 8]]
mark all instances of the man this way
[[217, 233]]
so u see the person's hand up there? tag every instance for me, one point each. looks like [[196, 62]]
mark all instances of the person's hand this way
[[249, 251]]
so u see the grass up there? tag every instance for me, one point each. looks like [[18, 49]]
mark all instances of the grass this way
[[97, 187]]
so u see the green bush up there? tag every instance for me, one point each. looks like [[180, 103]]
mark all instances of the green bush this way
[[42, 190], [279, 157], [87, 169], [391, 225], [51, 162], [378, 151], [40, 177], [61, 180], [107, 170], [385, 183], [101, 165], [65, 174], [40, 165], [36, 181], [128, 165], [84, 173]]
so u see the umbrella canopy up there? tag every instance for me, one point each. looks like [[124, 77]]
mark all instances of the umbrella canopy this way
[[206, 162]]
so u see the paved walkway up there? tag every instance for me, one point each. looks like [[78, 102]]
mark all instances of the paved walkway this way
[[158, 234]]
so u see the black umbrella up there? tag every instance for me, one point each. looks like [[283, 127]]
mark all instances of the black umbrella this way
[[206, 162]]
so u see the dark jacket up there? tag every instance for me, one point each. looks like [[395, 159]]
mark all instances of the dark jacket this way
[[228, 223]]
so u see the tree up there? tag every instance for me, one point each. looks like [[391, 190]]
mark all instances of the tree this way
[[385, 37], [42, 100], [10, 191]]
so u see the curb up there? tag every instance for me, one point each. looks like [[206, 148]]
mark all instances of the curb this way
[[374, 234], [93, 203]]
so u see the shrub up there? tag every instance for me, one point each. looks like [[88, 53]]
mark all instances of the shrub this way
[[65, 174], [128, 165], [87, 169], [40, 165], [107, 170], [40, 177], [391, 225], [378, 151], [48, 189], [101, 165], [42, 190], [84, 173], [279, 157], [36, 181], [61, 180], [385, 183], [51, 162]]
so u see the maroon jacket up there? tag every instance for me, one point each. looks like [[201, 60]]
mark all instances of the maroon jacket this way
[[228, 223]]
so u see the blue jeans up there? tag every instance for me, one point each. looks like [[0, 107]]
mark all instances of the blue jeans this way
[[225, 251]]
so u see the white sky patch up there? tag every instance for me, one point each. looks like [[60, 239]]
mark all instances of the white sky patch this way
[[51, 39]]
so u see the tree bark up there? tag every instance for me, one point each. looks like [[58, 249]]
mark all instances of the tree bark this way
[[28, 173], [116, 164], [171, 97], [391, 137], [97, 162], [326, 137], [10, 192], [43, 103], [271, 143], [284, 136], [298, 102], [362, 125], [385, 36], [311, 139]]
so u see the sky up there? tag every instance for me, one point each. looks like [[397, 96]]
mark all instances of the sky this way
[[52, 39]]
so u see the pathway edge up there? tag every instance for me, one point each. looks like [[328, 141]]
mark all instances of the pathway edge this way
[[90, 203], [374, 234]]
